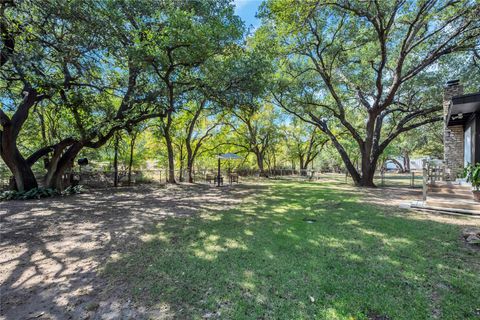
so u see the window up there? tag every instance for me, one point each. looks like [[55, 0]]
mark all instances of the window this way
[[467, 145]]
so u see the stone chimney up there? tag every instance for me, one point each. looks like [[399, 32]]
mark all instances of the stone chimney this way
[[452, 89], [453, 135]]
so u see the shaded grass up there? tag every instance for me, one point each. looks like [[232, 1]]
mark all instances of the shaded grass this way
[[399, 180], [263, 261]]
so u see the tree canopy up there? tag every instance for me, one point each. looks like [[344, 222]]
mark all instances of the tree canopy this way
[[338, 84], [369, 68]]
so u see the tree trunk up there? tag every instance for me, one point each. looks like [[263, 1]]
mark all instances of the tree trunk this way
[[171, 158], [190, 161], [115, 162], [406, 161], [369, 165], [192, 150], [260, 164], [357, 178], [274, 157], [20, 168], [22, 173], [168, 141], [130, 162], [180, 175], [190, 170], [190, 157], [365, 177], [58, 167], [303, 165], [368, 174]]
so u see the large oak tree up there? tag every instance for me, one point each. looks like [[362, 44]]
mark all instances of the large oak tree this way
[[83, 57], [179, 48], [366, 66]]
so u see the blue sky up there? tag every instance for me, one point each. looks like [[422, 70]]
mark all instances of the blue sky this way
[[247, 9]]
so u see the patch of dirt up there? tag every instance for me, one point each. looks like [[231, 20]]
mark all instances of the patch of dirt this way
[[52, 249]]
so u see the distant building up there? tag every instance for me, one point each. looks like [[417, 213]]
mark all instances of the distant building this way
[[416, 164]]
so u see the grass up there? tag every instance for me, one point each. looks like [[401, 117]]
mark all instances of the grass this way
[[399, 180], [263, 261]]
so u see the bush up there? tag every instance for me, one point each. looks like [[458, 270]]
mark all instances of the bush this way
[[473, 175], [72, 190], [38, 193]]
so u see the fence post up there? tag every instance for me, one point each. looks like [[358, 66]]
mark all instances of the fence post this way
[[382, 174], [425, 179], [432, 172], [444, 175]]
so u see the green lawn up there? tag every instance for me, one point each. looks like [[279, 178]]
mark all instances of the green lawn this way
[[263, 261]]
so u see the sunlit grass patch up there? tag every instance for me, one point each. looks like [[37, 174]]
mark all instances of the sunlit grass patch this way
[[263, 260]]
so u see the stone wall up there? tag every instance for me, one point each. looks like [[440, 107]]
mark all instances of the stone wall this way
[[453, 135], [453, 140]]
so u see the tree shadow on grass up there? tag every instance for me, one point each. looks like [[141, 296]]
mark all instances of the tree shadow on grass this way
[[263, 261], [51, 249]]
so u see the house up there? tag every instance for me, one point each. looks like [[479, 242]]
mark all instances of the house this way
[[442, 192], [462, 128]]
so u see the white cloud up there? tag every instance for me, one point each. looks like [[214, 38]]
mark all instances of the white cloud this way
[[242, 3]]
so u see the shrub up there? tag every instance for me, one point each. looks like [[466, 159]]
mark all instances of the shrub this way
[[473, 175], [72, 190], [38, 193]]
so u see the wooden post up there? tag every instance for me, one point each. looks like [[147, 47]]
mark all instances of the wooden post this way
[[433, 173], [425, 180], [444, 167]]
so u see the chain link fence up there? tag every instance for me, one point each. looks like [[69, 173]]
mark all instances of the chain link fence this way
[[413, 179], [106, 178]]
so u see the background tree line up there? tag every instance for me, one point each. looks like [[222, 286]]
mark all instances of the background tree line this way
[[342, 84]]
